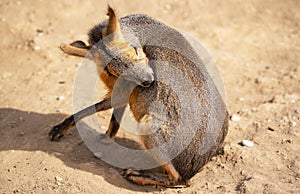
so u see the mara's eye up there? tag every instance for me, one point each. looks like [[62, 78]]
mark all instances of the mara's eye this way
[[136, 50]]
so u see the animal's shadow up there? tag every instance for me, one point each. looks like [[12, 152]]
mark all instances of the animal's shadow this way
[[28, 131]]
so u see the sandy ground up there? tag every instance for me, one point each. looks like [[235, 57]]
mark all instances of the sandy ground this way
[[255, 43]]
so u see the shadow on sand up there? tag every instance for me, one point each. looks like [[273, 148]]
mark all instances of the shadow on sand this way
[[28, 131]]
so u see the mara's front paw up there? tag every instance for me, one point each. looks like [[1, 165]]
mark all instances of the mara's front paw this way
[[57, 132]]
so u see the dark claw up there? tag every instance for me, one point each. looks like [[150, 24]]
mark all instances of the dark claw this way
[[124, 173], [131, 172], [56, 133]]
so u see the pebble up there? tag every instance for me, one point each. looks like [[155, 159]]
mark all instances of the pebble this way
[[287, 140], [247, 143], [98, 155], [60, 98], [102, 127], [57, 154], [241, 99], [292, 123], [78, 64], [258, 80], [235, 118], [58, 110], [39, 30], [36, 48], [57, 178], [167, 7]]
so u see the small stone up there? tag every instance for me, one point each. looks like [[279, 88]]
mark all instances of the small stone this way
[[13, 124], [36, 48], [57, 154], [278, 99], [58, 110], [258, 80], [57, 178], [98, 155], [60, 98], [167, 7], [286, 141], [247, 143], [39, 30], [102, 127], [292, 123], [235, 118], [78, 64], [241, 99]]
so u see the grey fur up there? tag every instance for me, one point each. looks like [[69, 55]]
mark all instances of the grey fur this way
[[194, 130]]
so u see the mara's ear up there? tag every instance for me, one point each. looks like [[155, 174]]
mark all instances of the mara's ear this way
[[77, 48], [113, 27]]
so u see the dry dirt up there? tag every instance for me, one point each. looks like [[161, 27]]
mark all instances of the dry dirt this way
[[257, 48]]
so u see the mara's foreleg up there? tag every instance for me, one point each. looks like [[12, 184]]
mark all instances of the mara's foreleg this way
[[115, 120], [59, 130], [114, 125]]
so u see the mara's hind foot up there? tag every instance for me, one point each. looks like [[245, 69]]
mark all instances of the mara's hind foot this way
[[77, 48], [59, 130], [149, 178]]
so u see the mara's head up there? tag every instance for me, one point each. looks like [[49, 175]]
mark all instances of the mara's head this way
[[114, 51]]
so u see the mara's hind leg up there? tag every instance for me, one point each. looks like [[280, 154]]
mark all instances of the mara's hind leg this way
[[149, 178], [170, 179], [59, 130]]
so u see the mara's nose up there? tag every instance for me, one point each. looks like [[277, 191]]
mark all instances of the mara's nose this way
[[147, 82]]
